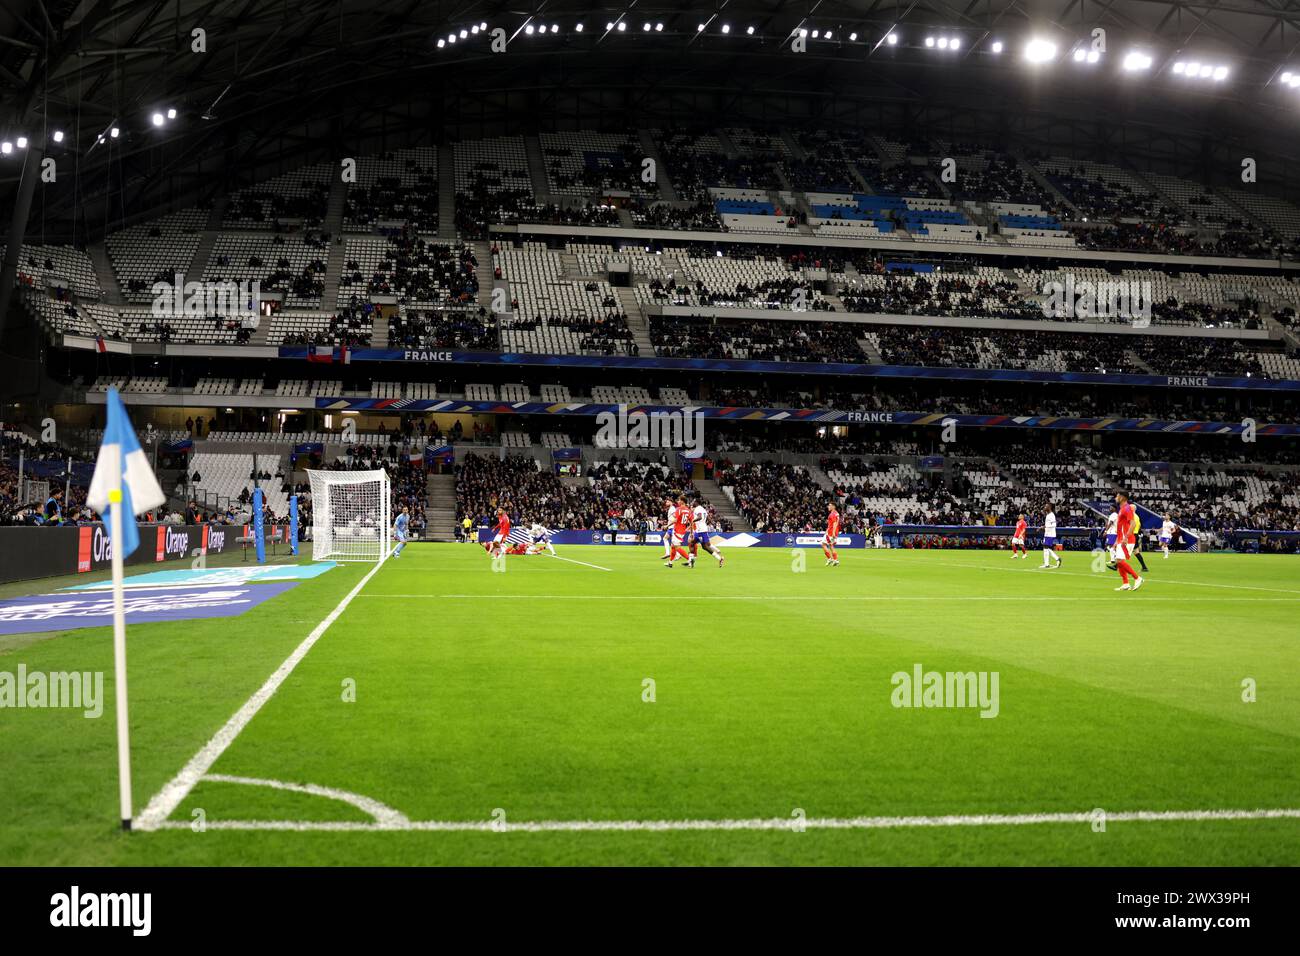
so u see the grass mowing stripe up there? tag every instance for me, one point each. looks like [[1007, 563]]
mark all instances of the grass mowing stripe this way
[[170, 796]]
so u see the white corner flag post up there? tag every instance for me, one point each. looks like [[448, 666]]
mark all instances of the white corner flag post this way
[[123, 482]]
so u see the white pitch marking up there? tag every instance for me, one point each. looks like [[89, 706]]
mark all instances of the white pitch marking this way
[[1084, 598], [1082, 574], [761, 823], [382, 813], [166, 800], [583, 563]]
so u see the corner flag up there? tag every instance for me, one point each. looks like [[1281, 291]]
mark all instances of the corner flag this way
[[122, 485], [122, 474]]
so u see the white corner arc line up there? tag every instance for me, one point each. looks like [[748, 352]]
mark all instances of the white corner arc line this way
[[381, 813], [166, 800], [764, 823]]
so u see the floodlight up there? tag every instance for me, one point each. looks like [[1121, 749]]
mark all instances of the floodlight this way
[[1040, 51]]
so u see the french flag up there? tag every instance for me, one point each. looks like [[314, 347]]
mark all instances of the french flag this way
[[123, 478]]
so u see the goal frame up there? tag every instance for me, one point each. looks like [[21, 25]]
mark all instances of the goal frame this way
[[327, 543]]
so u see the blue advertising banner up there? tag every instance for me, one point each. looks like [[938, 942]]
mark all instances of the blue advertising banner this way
[[447, 356], [293, 525], [69, 611], [258, 516], [821, 416]]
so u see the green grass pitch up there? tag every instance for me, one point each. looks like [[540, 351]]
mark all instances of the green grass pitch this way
[[523, 693]]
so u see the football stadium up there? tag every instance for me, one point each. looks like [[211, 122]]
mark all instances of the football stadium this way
[[641, 434]]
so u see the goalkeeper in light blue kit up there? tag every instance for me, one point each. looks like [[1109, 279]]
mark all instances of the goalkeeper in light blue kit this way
[[399, 531]]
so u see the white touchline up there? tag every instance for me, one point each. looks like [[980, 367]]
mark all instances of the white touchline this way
[[759, 823], [1078, 598], [166, 800]]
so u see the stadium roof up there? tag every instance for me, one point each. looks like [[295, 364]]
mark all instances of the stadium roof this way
[[270, 83]]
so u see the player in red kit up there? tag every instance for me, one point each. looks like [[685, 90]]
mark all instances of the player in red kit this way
[[682, 519], [1124, 538], [832, 533], [1018, 538], [502, 531]]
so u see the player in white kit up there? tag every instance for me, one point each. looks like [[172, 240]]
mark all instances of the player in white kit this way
[[1167, 529], [700, 533], [1049, 540]]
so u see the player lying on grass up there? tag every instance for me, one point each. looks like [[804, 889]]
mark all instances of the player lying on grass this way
[[541, 540]]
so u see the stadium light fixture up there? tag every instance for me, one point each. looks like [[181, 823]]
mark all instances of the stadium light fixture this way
[[726, 28], [530, 29], [816, 34], [115, 132], [699, 28], [929, 42], [483, 25], [749, 30], [622, 27], [157, 119], [828, 34], [58, 136], [6, 147], [464, 34], [555, 28], [609, 26], [474, 29], [997, 46], [22, 142], [578, 28], [171, 113], [892, 39], [441, 43], [1080, 55], [1039, 50], [645, 27], [853, 38], [1135, 61], [659, 28]]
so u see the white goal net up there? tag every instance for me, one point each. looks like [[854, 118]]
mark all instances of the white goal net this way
[[349, 515]]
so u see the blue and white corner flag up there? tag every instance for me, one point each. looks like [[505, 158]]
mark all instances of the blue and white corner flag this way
[[122, 475]]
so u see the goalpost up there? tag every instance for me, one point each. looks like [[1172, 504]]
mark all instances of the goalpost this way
[[350, 515]]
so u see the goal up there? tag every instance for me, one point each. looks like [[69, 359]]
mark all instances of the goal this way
[[349, 515]]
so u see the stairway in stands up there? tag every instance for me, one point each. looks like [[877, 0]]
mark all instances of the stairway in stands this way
[[336, 254], [446, 193], [651, 151], [112, 292], [483, 254], [441, 509], [637, 320], [537, 170], [872, 353], [717, 498]]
